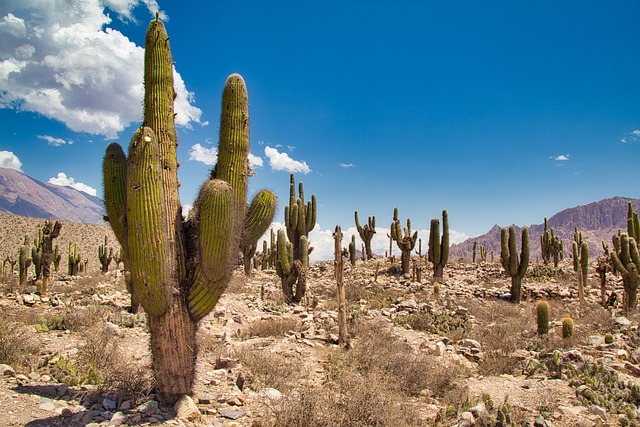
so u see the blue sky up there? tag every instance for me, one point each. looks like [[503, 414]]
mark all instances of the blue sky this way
[[500, 112]]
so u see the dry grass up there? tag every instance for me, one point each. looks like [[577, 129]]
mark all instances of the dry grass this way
[[274, 370], [277, 327], [16, 345]]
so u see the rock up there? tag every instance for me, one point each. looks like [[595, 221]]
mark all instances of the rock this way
[[271, 394], [598, 411], [118, 418], [469, 343], [47, 406], [622, 322], [622, 354], [240, 381], [225, 363], [186, 409], [125, 406], [465, 419], [408, 305], [109, 405], [7, 371], [28, 299], [595, 340], [149, 408], [232, 414], [479, 411]]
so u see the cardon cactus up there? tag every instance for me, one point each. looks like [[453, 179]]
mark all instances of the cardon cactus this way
[[626, 260], [352, 250], [73, 259], [292, 272], [57, 256], [584, 269], [551, 246], [633, 223], [24, 262], [404, 239], [515, 268], [366, 233], [36, 255], [105, 255], [178, 269], [299, 218], [262, 206], [439, 247], [49, 232], [542, 315]]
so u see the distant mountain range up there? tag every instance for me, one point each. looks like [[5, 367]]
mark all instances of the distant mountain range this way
[[598, 221], [25, 196]]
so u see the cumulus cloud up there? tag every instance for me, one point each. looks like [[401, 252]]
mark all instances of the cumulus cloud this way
[[60, 59], [282, 162], [630, 137], [209, 156], [66, 181], [56, 142], [10, 161], [346, 165], [561, 158], [255, 161]]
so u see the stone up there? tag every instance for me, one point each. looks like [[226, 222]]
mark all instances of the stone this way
[[408, 305], [118, 418], [622, 322], [479, 411], [465, 419], [232, 414], [469, 343], [7, 370], [599, 412], [109, 405], [186, 409], [47, 406], [149, 408], [271, 394], [595, 340]]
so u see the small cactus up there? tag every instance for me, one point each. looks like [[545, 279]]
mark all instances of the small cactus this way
[[73, 259], [366, 233], [24, 262], [608, 338], [567, 327], [542, 312], [352, 250], [105, 255], [515, 268], [404, 239]]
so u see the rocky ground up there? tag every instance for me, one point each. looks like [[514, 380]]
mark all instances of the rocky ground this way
[[452, 354]]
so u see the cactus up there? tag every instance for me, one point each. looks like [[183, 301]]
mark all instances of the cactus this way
[[626, 261], [567, 327], [439, 248], [49, 232], [551, 246], [343, 334], [406, 242], [483, 254], [105, 255], [24, 262], [633, 224], [36, 255], [473, 253], [178, 269], [542, 314], [584, 269], [515, 268], [57, 256], [290, 270], [352, 250], [366, 233], [299, 218], [73, 259]]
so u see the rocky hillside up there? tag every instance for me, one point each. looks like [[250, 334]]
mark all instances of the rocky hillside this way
[[597, 221], [23, 195]]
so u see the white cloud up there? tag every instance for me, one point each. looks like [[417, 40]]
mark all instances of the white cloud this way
[[66, 181], [56, 142], [346, 165], [255, 161], [60, 59], [282, 162], [10, 161], [208, 156], [562, 158], [633, 136], [186, 208]]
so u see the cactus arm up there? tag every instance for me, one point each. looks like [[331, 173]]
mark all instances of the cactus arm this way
[[524, 255], [216, 243], [513, 252], [504, 249], [444, 250], [259, 216]]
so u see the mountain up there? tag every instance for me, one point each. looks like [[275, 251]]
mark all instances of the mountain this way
[[597, 221], [23, 195]]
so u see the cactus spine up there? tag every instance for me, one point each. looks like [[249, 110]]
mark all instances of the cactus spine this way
[[366, 233], [626, 260], [515, 268], [105, 255], [542, 311], [439, 247], [178, 270], [406, 242]]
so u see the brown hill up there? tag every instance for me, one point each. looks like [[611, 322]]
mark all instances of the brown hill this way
[[597, 221], [23, 195]]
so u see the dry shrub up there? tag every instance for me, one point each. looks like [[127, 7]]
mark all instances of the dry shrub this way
[[16, 344], [268, 369], [275, 327], [209, 344], [79, 318], [113, 371]]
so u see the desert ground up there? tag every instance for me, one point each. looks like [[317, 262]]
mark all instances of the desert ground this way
[[454, 353]]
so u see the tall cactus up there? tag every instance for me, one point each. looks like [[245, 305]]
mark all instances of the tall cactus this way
[[49, 232], [366, 233], [515, 268], [406, 242], [439, 247], [352, 250], [57, 256], [105, 256], [626, 260], [299, 218], [36, 255], [292, 272], [262, 206], [178, 269], [551, 246], [633, 223], [73, 259], [24, 262]]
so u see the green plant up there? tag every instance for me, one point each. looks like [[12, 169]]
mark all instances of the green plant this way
[[263, 205], [608, 338], [105, 255], [366, 233], [299, 217], [292, 271], [515, 268], [626, 260], [542, 312], [406, 242], [352, 250], [439, 248], [24, 262], [178, 270], [567, 327], [56, 258], [551, 246], [73, 259]]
